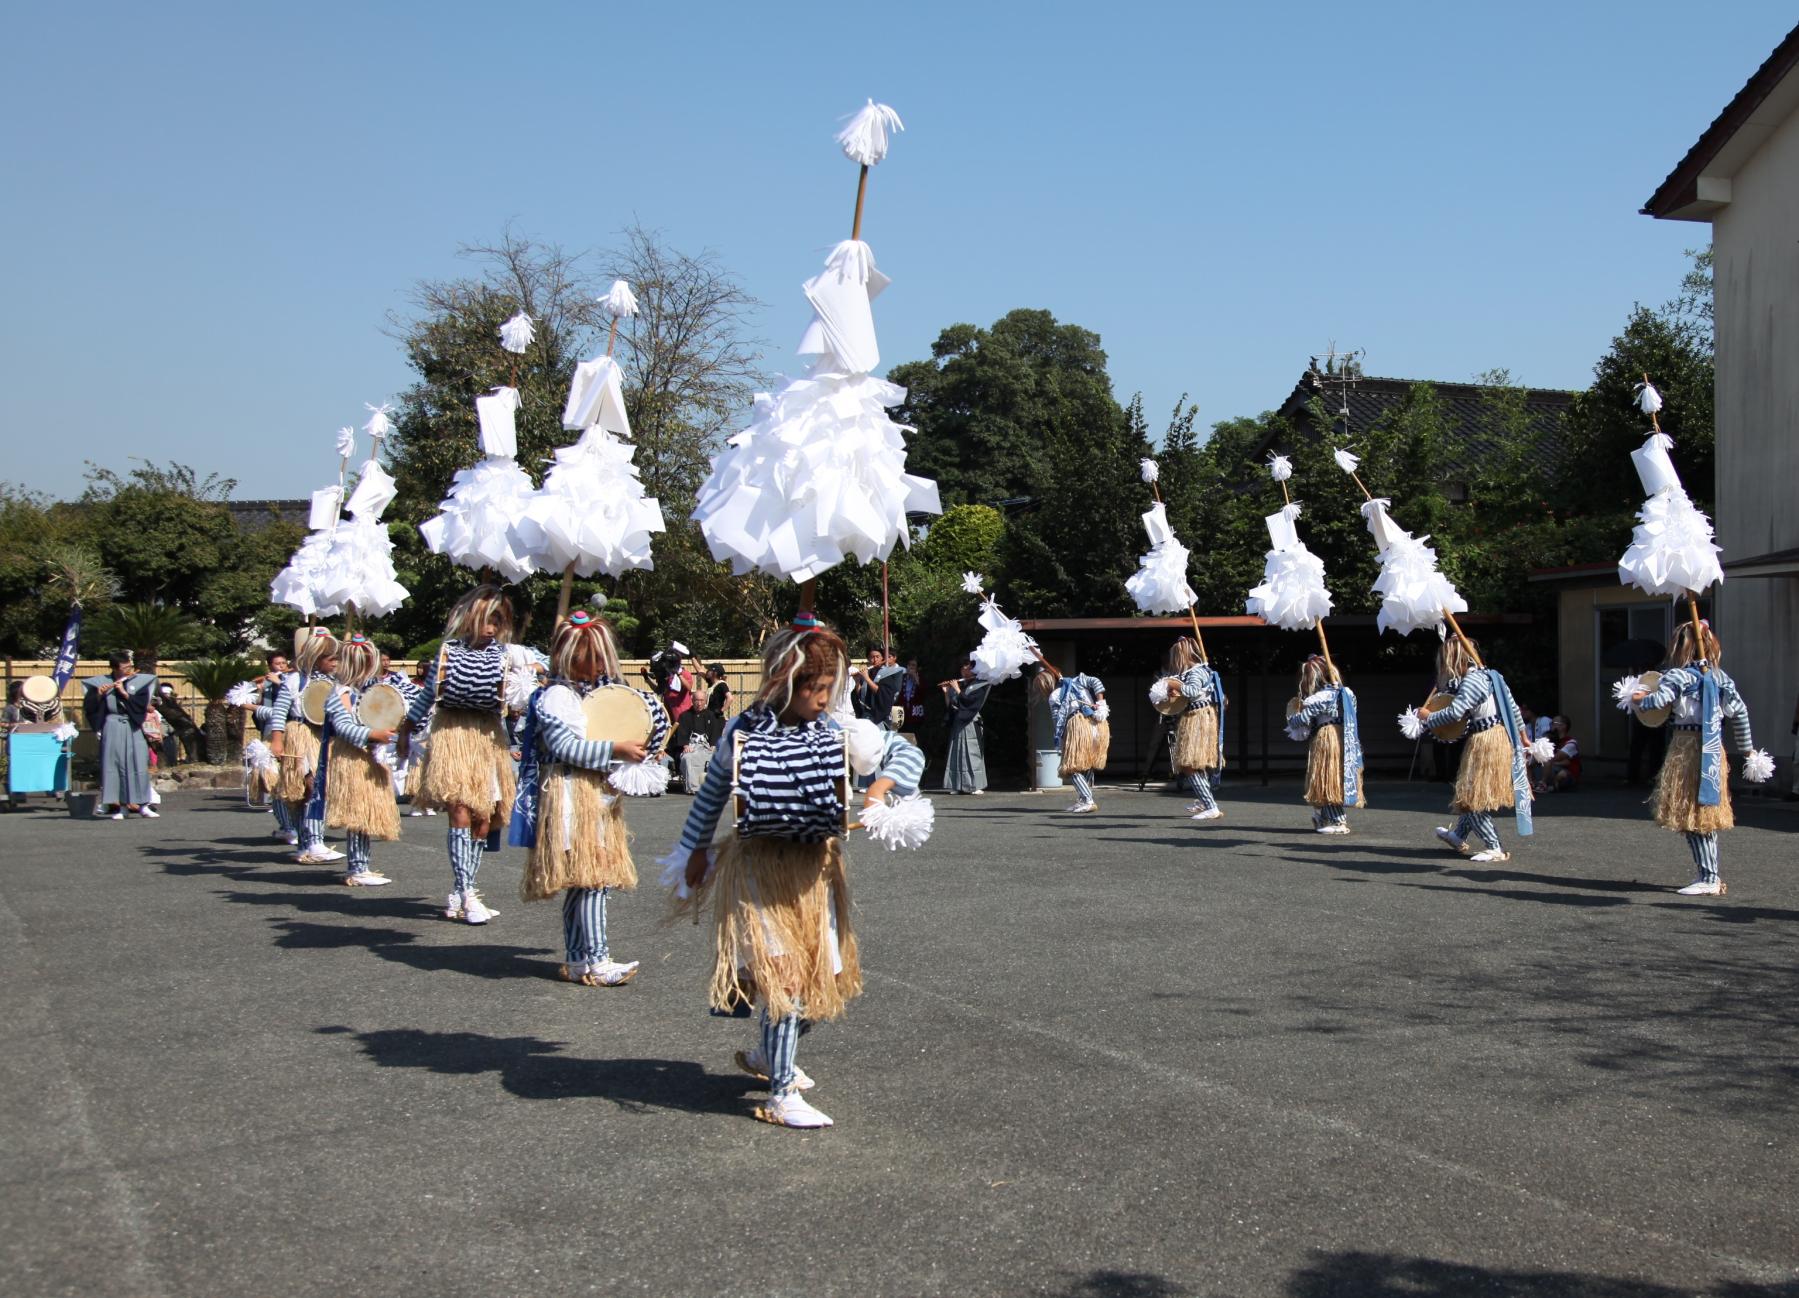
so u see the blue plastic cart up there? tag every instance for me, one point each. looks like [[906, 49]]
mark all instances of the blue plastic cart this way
[[36, 761]]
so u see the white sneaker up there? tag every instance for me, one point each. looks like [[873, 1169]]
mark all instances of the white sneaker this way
[[1455, 840], [117, 815], [329, 853], [1490, 855], [1704, 888], [791, 1111], [1210, 813], [432, 812], [149, 813], [313, 856], [366, 879], [291, 838], [752, 1062], [1200, 806], [453, 906], [415, 813], [611, 973], [1333, 829], [1084, 808], [474, 910]]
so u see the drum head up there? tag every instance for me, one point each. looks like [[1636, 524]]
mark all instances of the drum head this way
[[1294, 704], [39, 690], [312, 701], [1175, 703], [619, 714], [382, 707], [1448, 734], [1653, 717]]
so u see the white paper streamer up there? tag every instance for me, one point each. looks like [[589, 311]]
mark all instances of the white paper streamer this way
[[1160, 583], [1758, 766], [346, 442], [477, 526], [1410, 724], [645, 779], [516, 335], [1541, 751], [1622, 690], [241, 695], [258, 757], [1004, 649], [973, 583], [591, 511], [380, 424], [297, 585], [1150, 470], [1347, 461], [1413, 593], [358, 569], [1102, 711], [865, 138], [65, 732], [1280, 467], [1649, 401], [904, 822], [618, 301], [1671, 548], [1158, 693]]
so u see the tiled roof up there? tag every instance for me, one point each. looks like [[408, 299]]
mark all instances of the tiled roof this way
[[1467, 406]]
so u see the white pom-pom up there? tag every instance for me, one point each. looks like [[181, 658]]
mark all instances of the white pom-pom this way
[[517, 334], [1102, 711], [865, 138], [346, 442], [1542, 751], [619, 302], [1411, 725], [1297, 730], [379, 424], [1649, 401], [1158, 693], [645, 779], [1758, 767], [241, 695], [905, 822], [1622, 691], [65, 732], [674, 870], [1150, 470], [973, 583], [258, 757], [1280, 467], [866, 743], [1348, 461]]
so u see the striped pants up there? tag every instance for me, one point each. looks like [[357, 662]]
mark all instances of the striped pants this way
[[284, 819], [780, 1039], [1083, 787], [312, 832], [465, 857], [1479, 824], [1705, 856], [356, 844], [1332, 814], [584, 925], [1201, 789]]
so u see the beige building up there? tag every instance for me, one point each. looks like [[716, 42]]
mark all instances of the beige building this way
[[1743, 178]]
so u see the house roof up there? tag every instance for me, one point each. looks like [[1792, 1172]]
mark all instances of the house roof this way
[[1700, 184], [1467, 405]]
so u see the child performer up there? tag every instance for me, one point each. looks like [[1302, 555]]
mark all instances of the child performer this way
[[1692, 793], [1199, 735], [295, 741], [1078, 705], [1492, 775], [781, 905], [268, 693], [568, 816], [1327, 721], [468, 765], [358, 790]]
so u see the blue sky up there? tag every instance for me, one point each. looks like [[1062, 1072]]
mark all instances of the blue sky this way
[[210, 209]]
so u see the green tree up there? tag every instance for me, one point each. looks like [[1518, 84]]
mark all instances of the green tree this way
[[213, 678], [154, 629]]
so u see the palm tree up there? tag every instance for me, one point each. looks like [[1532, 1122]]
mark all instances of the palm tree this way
[[77, 574], [148, 628], [213, 678]]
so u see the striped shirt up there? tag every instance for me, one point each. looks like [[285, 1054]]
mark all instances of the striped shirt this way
[[1078, 694], [1474, 700], [1320, 709], [1681, 688], [901, 762], [1196, 686], [342, 716], [560, 738], [287, 703]]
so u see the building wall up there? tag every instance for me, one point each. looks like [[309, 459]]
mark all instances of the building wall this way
[[1584, 687], [1756, 246]]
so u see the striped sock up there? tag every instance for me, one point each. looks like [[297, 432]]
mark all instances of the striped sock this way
[[780, 1040], [312, 834], [1705, 855], [284, 819], [461, 849], [356, 843], [1083, 787], [1484, 829], [1333, 814], [1202, 791], [584, 925]]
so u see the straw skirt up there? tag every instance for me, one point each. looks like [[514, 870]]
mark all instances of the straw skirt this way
[[468, 763], [581, 837], [299, 758], [1085, 743], [1196, 741], [1324, 770], [359, 793], [1484, 780], [1677, 790]]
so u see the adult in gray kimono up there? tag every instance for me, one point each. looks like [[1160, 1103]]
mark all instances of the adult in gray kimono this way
[[115, 706], [966, 769]]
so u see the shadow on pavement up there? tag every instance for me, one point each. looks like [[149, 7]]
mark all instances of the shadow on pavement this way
[[534, 1069], [1555, 880], [1387, 1275], [1123, 1284], [336, 900]]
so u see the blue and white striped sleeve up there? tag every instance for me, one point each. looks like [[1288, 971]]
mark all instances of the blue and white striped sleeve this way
[[1196, 684], [343, 724], [1476, 688], [715, 791], [1673, 683], [418, 704], [280, 709], [903, 763], [1319, 709], [563, 745], [1736, 715]]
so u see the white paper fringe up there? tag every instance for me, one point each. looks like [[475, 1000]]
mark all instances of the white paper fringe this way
[[478, 525], [645, 779], [1758, 766], [1410, 724], [1621, 692], [258, 757], [1347, 461], [865, 138], [1004, 649], [379, 424], [1102, 711], [241, 695], [1158, 693], [1297, 730], [618, 301], [1542, 751], [65, 732], [1671, 548], [1149, 469], [516, 335], [973, 583], [1292, 595], [904, 822], [1280, 467], [591, 511], [1649, 401], [346, 442]]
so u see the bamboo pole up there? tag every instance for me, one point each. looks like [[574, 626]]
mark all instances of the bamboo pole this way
[[861, 193]]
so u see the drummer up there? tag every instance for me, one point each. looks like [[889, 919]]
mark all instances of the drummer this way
[[358, 790], [116, 706], [295, 742], [268, 692]]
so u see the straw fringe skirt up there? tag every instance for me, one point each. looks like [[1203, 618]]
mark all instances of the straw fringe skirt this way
[[1324, 770], [467, 764], [1196, 741], [1484, 782], [1085, 743], [299, 758], [359, 794], [1677, 790], [781, 927], [260, 785], [581, 837]]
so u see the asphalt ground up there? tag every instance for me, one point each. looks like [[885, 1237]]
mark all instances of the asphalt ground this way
[[1113, 1055]]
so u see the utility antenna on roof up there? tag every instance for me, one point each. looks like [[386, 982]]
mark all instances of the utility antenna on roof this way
[[1340, 372]]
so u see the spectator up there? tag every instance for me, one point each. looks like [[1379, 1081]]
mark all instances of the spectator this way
[[115, 706], [1535, 727], [911, 698], [672, 682], [877, 687], [711, 721], [1562, 774], [965, 769], [13, 714]]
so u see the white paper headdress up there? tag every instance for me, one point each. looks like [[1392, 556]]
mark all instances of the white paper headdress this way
[[1292, 595], [592, 511], [1414, 594], [864, 139], [1160, 583], [346, 442], [1149, 470], [379, 424], [618, 301], [516, 334], [1004, 649], [1348, 461], [1279, 467]]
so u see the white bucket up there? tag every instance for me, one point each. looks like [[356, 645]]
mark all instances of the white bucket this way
[[1049, 768]]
